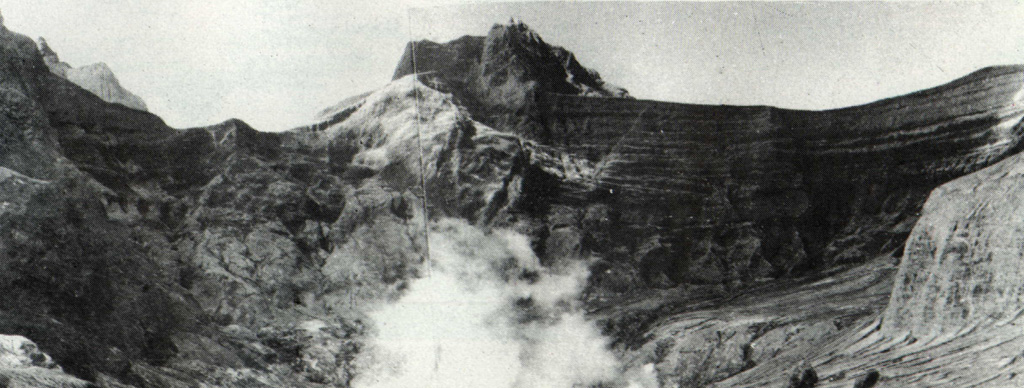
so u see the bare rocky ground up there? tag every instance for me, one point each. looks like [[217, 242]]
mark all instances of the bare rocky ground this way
[[696, 338], [727, 246]]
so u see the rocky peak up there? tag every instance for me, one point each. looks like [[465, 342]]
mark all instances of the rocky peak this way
[[97, 78], [517, 51], [45, 49], [501, 77]]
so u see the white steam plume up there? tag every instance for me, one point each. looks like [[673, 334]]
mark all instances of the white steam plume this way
[[488, 314]]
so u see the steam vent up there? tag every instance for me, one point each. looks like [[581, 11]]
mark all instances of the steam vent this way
[[499, 203]]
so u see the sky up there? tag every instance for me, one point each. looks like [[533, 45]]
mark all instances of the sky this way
[[275, 64]]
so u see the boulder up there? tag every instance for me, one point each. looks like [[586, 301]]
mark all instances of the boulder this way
[[20, 352]]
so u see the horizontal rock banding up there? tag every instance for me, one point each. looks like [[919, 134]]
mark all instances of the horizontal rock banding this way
[[934, 134], [686, 167]]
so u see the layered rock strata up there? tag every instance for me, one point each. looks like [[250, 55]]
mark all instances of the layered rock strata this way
[[954, 315], [807, 189], [712, 194]]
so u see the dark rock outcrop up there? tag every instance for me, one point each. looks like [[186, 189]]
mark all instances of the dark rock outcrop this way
[[807, 379], [502, 77], [869, 379]]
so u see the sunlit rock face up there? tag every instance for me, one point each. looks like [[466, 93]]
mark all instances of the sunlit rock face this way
[[20, 352], [962, 264], [957, 297], [408, 134], [97, 78]]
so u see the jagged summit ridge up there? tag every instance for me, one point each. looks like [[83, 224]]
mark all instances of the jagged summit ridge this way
[[502, 77], [97, 78], [516, 52], [512, 50]]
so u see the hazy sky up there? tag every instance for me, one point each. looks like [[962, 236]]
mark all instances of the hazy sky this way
[[275, 63]]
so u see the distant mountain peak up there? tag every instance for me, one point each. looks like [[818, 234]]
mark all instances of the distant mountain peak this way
[[97, 78]]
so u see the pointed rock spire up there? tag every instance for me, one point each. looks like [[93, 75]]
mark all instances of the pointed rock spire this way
[[45, 49], [51, 59]]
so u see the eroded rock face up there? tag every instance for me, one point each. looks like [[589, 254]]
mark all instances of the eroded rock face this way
[[962, 264], [501, 78], [763, 337], [96, 204], [229, 226], [729, 195], [953, 318], [408, 134], [718, 194], [755, 191]]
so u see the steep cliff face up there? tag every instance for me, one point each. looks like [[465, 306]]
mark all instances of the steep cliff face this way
[[725, 197], [713, 194], [961, 265], [953, 318], [742, 192]]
